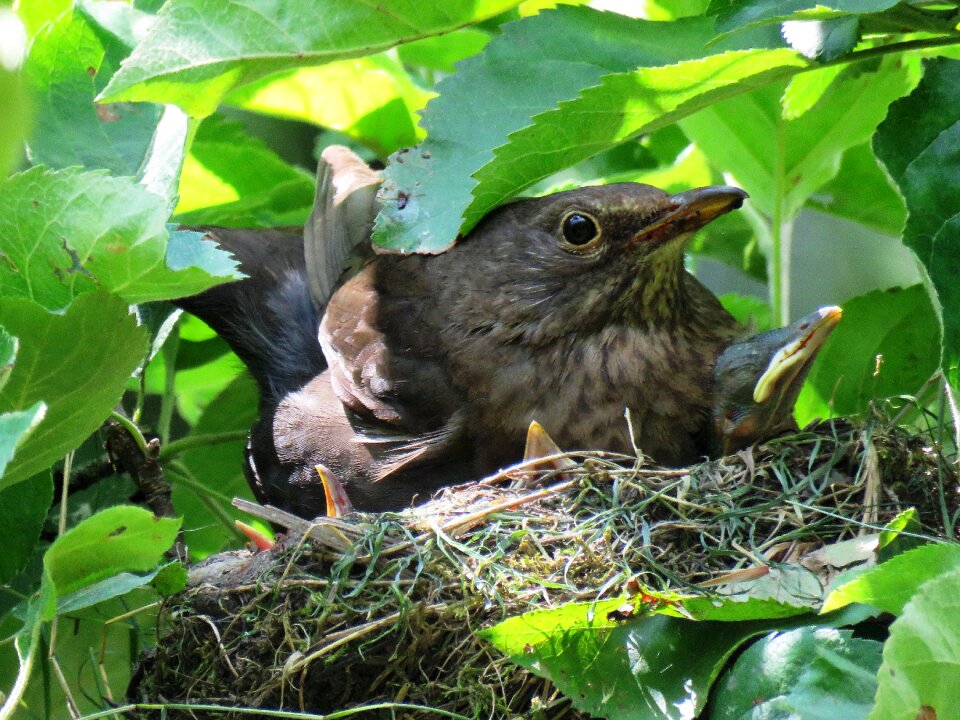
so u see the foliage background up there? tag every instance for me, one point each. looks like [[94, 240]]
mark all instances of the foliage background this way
[[141, 116]]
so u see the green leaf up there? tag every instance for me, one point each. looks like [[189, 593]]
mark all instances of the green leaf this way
[[890, 585], [733, 14], [782, 162], [102, 590], [23, 509], [808, 674], [823, 40], [68, 64], [15, 428], [648, 667], [900, 326], [16, 118], [65, 362], [442, 52], [217, 470], [198, 50], [115, 540], [67, 232], [861, 191], [919, 143], [918, 677], [233, 179], [370, 99], [492, 151]]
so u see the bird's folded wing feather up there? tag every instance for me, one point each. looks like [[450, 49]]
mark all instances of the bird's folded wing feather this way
[[341, 221]]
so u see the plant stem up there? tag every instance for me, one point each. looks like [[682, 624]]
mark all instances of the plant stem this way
[[170, 349], [191, 442], [134, 431]]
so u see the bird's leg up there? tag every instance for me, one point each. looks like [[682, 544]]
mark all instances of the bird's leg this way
[[541, 445], [338, 502]]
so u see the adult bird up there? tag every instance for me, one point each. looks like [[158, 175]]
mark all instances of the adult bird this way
[[408, 373]]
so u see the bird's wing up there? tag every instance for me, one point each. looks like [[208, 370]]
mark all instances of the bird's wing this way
[[401, 396], [342, 218]]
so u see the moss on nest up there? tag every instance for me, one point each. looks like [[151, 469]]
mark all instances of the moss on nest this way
[[385, 608]]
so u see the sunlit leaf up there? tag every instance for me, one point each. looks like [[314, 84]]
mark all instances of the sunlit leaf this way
[[199, 50], [115, 540], [899, 326], [370, 99], [64, 362], [68, 232]]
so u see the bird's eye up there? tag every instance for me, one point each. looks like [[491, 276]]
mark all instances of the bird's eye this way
[[580, 230]]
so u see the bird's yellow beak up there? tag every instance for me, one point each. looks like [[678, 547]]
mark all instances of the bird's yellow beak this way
[[793, 357]]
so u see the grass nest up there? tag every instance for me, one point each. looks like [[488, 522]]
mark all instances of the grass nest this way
[[383, 610]]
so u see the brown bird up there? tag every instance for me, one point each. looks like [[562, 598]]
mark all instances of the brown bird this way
[[422, 371], [758, 379]]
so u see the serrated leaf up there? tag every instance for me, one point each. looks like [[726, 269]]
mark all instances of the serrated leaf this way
[[64, 362], [782, 162], [68, 232], [199, 50], [808, 674], [68, 64], [900, 326], [233, 179], [115, 540], [890, 585], [369, 99], [919, 142], [23, 509], [443, 52], [734, 14], [805, 90], [493, 151], [918, 676]]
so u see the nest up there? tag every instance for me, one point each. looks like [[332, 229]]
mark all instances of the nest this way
[[384, 609]]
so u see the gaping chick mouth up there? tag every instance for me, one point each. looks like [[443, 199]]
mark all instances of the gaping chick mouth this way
[[689, 211], [795, 357]]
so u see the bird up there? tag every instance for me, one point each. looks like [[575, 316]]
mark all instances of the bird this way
[[757, 380], [394, 375]]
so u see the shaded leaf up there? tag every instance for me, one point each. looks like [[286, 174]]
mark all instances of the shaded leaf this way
[[68, 64], [64, 362], [733, 14], [369, 99], [900, 326], [861, 191], [919, 143], [653, 666], [492, 151], [115, 540], [805, 674], [23, 508], [918, 676], [199, 50], [217, 470], [890, 585], [106, 589], [68, 232]]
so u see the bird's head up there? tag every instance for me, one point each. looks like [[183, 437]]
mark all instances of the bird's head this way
[[586, 257], [757, 380]]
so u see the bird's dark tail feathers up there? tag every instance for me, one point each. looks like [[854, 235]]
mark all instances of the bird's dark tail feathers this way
[[269, 319]]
